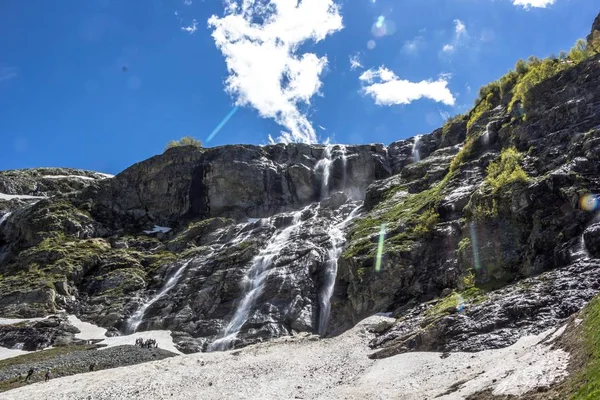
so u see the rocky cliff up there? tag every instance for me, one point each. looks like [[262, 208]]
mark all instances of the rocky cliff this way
[[472, 236]]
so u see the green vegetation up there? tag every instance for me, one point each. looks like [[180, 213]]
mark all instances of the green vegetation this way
[[454, 301], [184, 141], [411, 218], [26, 360], [506, 171], [588, 382]]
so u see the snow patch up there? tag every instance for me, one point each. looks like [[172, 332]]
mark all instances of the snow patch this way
[[4, 196], [10, 321], [90, 331], [267, 370], [68, 177], [158, 229], [10, 353]]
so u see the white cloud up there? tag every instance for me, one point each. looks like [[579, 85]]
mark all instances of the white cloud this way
[[533, 3], [411, 46], [187, 2], [387, 89], [355, 62], [460, 36], [192, 28], [260, 44], [448, 48]]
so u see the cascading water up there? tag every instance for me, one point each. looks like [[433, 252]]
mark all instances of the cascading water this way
[[4, 218], [486, 134], [253, 284], [415, 150], [580, 251], [343, 151], [136, 319], [324, 164], [336, 236]]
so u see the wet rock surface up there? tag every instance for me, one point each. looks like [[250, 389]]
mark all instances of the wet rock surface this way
[[37, 335], [240, 244]]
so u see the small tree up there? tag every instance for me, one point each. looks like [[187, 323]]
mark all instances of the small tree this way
[[579, 52], [184, 141]]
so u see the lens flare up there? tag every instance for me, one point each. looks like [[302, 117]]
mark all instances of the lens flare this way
[[589, 202], [380, 248], [371, 44], [221, 124], [383, 27], [460, 304]]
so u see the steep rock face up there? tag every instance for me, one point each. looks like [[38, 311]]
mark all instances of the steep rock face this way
[[472, 236], [237, 181], [22, 187], [462, 238]]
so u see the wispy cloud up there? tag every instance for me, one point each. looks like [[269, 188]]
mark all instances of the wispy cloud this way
[[187, 2], [7, 73], [413, 45], [355, 62], [460, 36], [387, 89], [260, 43], [533, 3], [191, 28]]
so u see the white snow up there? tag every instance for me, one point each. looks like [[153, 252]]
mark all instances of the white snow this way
[[158, 229], [90, 331], [303, 367], [10, 353], [68, 177], [4, 196], [10, 321], [105, 176]]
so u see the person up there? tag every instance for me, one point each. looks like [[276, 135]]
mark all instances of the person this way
[[92, 366], [29, 374], [47, 376]]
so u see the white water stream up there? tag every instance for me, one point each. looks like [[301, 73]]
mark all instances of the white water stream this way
[[4, 218], [336, 236], [416, 155], [136, 319], [253, 284]]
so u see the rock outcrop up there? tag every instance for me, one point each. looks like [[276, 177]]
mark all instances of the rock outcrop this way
[[471, 236]]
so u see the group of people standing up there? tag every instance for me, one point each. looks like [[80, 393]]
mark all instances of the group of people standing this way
[[147, 344]]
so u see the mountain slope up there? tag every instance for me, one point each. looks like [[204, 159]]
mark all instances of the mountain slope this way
[[472, 237]]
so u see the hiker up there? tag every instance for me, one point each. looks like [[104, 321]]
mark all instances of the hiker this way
[[29, 374], [92, 366], [47, 376]]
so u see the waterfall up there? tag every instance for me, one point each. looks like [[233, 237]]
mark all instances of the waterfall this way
[[343, 150], [136, 319], [4, 218], [486, 134], [253, 284], [336, 237], [324, 164], [415, 149], [580, 251]]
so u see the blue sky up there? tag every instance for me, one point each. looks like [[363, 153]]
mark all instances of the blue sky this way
[[66, 100]]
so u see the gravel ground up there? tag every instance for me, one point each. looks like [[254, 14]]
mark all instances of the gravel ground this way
[[307, 368], [79, 361]]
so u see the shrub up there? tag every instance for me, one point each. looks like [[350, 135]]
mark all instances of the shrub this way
[[507, 170], [184, 141]]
